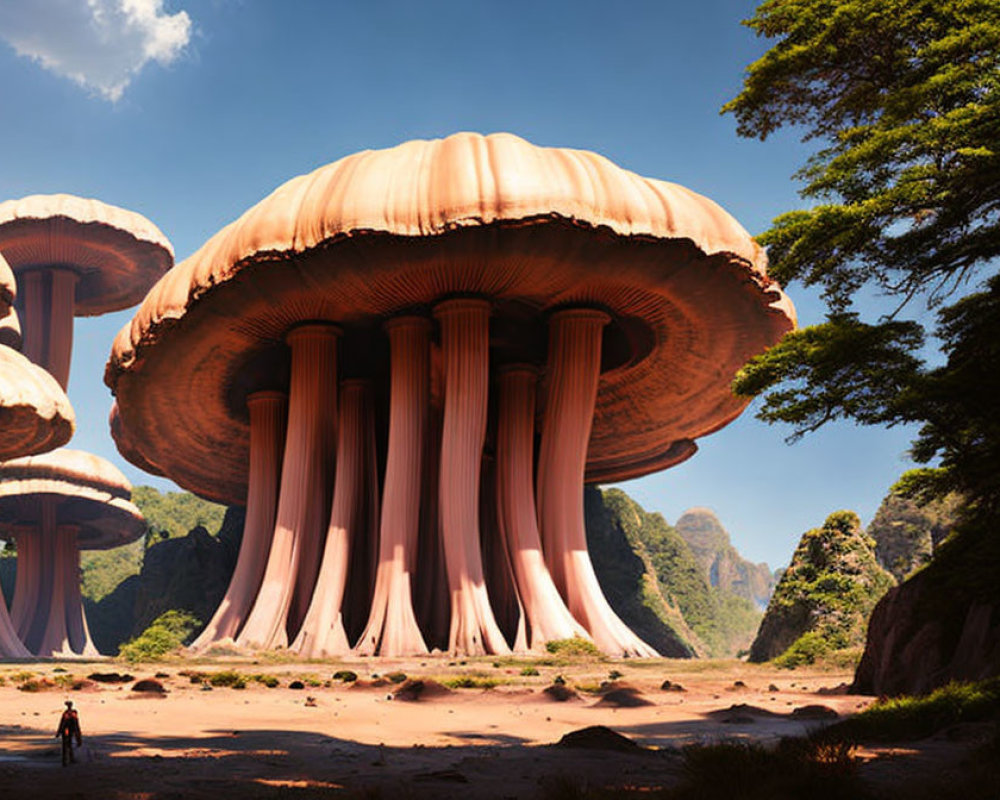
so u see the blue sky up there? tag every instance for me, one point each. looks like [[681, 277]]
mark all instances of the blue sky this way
[[190, 111]]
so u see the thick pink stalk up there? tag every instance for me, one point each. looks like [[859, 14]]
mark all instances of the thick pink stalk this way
[[322, 633], [27, 587], [574, 369], [49, 301], [548, 617], [304, 497], [392, 628], [76, 619], [465, 349], [268, 416]]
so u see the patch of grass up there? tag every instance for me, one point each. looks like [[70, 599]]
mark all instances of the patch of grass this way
[[270, 681], [588, 688], [907, 718], [575, 647], [529, 671], [472, 682], [21, 677], [396, 677], [229, 678]]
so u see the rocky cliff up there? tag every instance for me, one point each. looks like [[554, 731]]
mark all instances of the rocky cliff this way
[[189, 573], [906, 533], [825, 596], [940, 625], [724, 567]]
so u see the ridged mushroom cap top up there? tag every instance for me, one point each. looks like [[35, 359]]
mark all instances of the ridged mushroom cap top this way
[[35, 414], [85, 491], [378, 232], [117, 254]]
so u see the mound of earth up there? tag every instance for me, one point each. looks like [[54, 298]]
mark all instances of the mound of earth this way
[[622, 696], [598, 737], [414, 689]]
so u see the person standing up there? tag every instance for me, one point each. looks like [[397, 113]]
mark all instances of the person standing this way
[[69, 729]]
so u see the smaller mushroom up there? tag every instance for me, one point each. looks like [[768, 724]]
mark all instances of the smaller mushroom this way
[[35, 415], [75, 257], [54, 505]]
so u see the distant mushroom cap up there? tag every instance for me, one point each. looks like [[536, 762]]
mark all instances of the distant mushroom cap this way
[[88, 491], [379, 232], [35, 414], [118, 254]]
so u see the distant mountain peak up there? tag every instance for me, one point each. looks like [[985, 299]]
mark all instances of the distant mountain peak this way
[[722, 564]]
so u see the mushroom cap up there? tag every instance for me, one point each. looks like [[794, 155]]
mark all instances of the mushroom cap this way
[[118, 254], [381, 232], [35, 414], [125, 445], [8, 286], [87, 491]]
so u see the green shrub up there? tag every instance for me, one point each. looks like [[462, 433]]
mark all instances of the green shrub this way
[[228, 678], [168, 632], [573, 647], [471, 682], [528, 671], [805, 650], [270, 681], [396, 677], [345, 675]]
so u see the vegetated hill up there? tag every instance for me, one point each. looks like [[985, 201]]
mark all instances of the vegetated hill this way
[[907, 533], [168, 515], [724, 567], [188, 573], [722, 622], [629, 549], [825, 596]]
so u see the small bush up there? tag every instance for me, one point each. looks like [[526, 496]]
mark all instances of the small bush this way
[[228, 678], [270, 681], [615, 675], [345, 675], [35, 685], [528, 671], [168, 632], [806, 649], [573, 647], [471, 682], [396, 677]]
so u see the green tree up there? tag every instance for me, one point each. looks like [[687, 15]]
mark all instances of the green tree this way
[[902, 98]]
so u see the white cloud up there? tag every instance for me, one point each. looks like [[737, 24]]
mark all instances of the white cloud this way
[[99, 44]]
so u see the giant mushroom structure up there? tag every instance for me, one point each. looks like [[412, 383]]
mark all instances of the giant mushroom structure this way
[[422, 354], [75, 257], [53, 505]]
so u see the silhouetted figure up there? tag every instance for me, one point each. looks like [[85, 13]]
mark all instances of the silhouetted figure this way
[[69, 729]]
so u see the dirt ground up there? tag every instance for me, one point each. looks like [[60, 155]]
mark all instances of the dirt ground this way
[[331, 739]]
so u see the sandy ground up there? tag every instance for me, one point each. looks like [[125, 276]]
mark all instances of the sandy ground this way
[[357, 740]]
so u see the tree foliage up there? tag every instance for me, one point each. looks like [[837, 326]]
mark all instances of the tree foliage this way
[[903, 100]]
